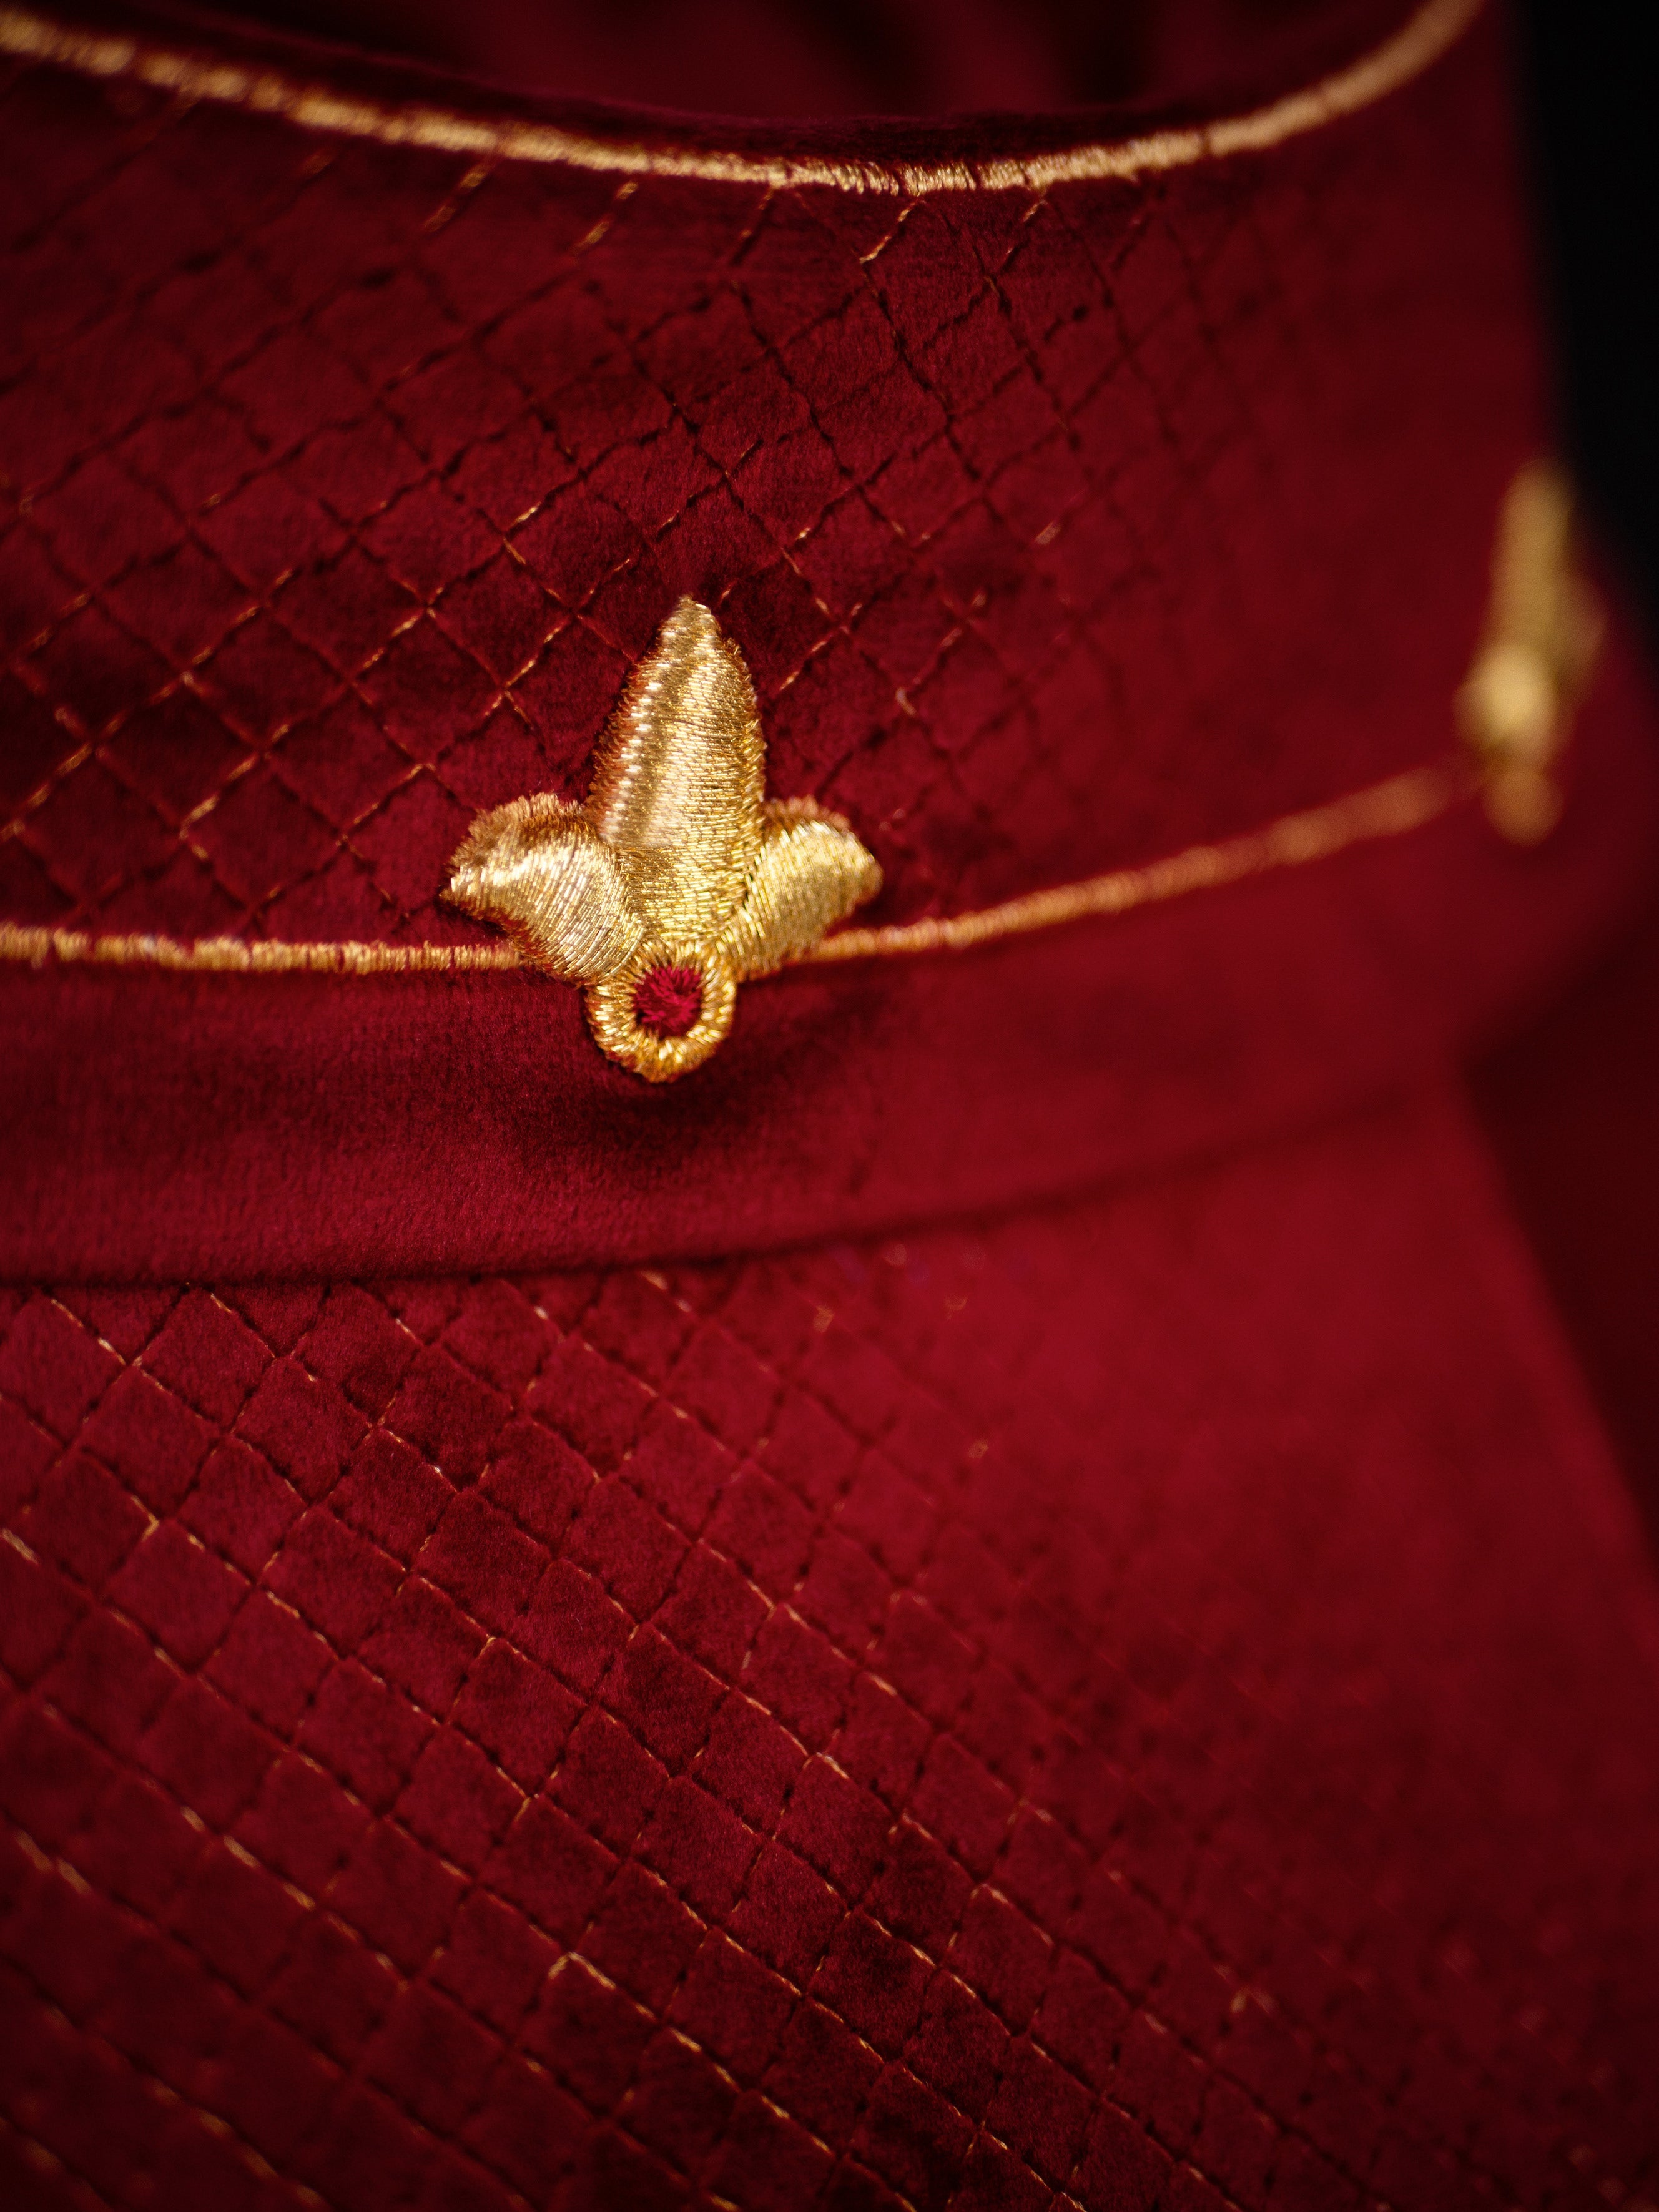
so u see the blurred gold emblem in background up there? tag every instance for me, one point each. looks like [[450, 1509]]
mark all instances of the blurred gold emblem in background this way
[[1543, 629]]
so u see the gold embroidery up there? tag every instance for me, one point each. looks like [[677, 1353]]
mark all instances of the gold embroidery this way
[[1414, 48], [1543, 630], [552, 876], [238, 955], [1389, 808], [677, 879]]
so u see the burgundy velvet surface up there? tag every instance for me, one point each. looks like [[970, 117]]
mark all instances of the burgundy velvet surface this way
[[1570, 1107], [914, 57], [1059, 530], [164, 1127], [1007, 1599], [1147, 1704], [880, 77]]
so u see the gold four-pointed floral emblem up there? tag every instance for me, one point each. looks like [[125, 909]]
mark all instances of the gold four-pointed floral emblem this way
[[678, 879]]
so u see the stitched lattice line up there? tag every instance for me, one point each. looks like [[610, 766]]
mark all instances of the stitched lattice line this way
[[866, 1650], [1392, 809], [960, 622]]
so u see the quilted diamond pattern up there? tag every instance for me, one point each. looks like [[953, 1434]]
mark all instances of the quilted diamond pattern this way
[[1121, 1708], [341, 484]]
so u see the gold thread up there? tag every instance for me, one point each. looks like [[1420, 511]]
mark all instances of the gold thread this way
[[592, 911], [236, 955], [1414, 48], [676, 861], [660, 1058], [1391, 809]]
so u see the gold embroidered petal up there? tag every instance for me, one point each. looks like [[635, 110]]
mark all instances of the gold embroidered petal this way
[[811, 872], [535, 868], [676, 788]]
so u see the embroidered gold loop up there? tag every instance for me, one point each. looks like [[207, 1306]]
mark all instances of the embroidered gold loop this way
[[700, 990], [1543, 631], [677, 879]]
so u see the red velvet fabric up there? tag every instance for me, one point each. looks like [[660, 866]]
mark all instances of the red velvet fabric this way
[[1148, 1703], [165, 1126], [1569, 1106], [1061, 531], [1005, 1598], [791, 58]]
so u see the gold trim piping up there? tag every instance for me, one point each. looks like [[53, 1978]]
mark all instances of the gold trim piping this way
[[1389, 808], [1418, 44], [235, 956]]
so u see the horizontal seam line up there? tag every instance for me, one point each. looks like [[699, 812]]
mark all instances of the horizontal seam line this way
[[1393, 807], [1414, 47]]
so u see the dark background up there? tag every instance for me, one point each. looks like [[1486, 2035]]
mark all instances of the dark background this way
[[1588, 83], [1573, 1106]]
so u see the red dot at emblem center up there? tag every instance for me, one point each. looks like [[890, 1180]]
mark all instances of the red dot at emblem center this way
[[668, 1000]]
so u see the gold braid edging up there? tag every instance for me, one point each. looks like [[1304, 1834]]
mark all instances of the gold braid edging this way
[[235, 956], [1384, 810], [1418, 44], [1389, 808]]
